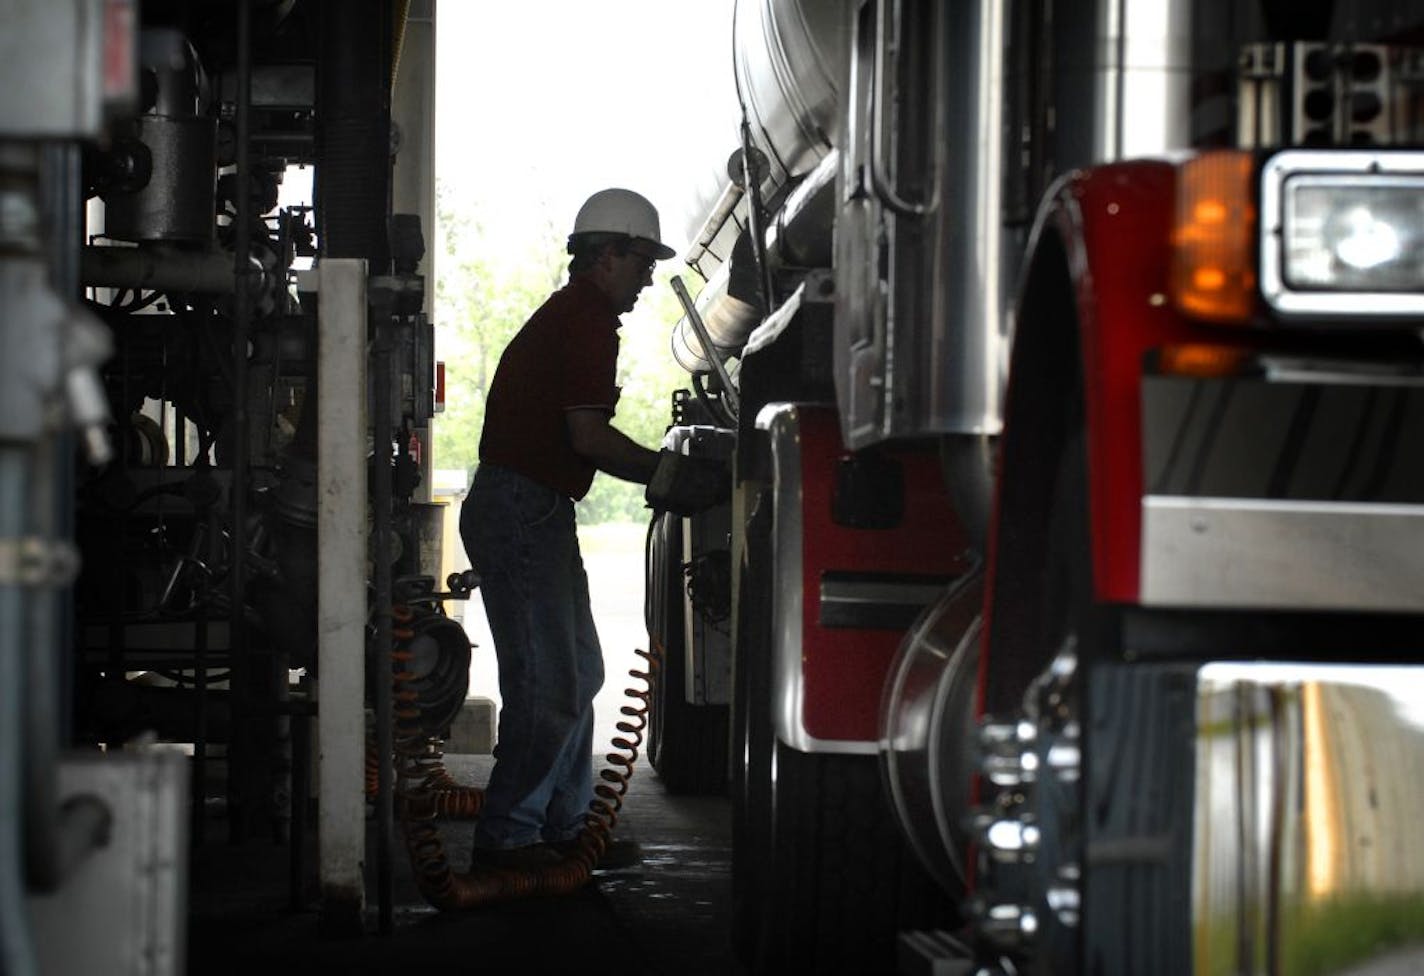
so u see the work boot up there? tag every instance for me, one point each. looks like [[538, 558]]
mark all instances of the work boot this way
[[619, 853], [525, 858]]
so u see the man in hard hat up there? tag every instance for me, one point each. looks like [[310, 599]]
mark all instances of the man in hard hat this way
[[547, 429]]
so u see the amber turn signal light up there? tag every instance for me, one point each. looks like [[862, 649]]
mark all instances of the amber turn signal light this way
[[1213, 273]]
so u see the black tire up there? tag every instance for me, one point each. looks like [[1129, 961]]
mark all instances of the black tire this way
[[1066, 617], [1137, 777], [822, 879], [752, 739], [687, 743], [843, 882], [1044, 599]]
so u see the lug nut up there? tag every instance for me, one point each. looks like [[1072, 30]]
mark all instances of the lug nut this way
[[1065, 760], [1012, 840], [1064, 902], [1008, 759], [1009, 926]]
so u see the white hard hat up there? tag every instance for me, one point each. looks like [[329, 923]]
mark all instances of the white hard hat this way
[[618, 211]]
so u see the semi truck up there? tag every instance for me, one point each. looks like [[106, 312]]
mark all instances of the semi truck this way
[[1065, 615]]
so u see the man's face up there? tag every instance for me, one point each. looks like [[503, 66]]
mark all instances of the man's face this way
[[632, 271]]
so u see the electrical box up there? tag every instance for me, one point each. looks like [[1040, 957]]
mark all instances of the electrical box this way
[[123, 912]]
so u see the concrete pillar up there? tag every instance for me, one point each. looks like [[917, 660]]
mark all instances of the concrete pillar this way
[[341, 589]]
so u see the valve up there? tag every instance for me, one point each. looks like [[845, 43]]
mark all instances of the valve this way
[[463, 584]]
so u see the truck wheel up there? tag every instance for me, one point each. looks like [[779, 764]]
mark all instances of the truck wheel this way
[[843, 882], [752, 739], [1066, 617], [687, 744], [821, 878], [690, 741]]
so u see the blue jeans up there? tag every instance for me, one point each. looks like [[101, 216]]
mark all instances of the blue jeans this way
[[521, 538]]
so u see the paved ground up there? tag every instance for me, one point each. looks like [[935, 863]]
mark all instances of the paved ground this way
[[669, 915]]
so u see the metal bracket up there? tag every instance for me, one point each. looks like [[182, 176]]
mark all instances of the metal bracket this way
[[36, 561]]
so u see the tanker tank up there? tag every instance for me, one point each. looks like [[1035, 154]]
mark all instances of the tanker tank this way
[[790, 60]]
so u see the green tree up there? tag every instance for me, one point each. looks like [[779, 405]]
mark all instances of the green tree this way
[[648, 374], [478, 308]]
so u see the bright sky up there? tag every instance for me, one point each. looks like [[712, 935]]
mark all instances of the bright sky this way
[[539, 103]]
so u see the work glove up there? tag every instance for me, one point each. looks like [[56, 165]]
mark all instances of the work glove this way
[[685, 485]]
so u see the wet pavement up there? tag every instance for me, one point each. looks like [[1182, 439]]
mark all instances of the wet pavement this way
[[669, 915]]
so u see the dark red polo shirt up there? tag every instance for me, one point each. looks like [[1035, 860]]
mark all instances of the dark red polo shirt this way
[[565, 357]]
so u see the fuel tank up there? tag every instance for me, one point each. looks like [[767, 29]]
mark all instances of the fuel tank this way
[[731, 306], [790, 59], [173, 148]]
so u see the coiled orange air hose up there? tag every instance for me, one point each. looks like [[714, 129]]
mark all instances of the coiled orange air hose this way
[[440, 795], [425, 792]]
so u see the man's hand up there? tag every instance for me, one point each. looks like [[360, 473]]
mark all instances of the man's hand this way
[[685, 485]]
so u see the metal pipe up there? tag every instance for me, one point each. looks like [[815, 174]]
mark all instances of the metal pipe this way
[[57, 836], [198, 784], [301, 789], [238, 775], [17, 951], [727, 319], [710, 350], [208, 272], [381, 504], [722, 211], [756, 231], [44, 350], [799, 238]]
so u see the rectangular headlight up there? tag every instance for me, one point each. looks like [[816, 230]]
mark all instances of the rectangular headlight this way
[[1342, 233]]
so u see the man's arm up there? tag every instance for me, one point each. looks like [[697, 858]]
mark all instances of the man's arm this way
[[611, 451]]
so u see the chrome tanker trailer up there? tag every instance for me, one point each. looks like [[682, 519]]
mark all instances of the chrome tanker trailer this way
[[1066, 615]]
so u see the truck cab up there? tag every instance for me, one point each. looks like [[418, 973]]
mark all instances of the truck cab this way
[[1069, 363]]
